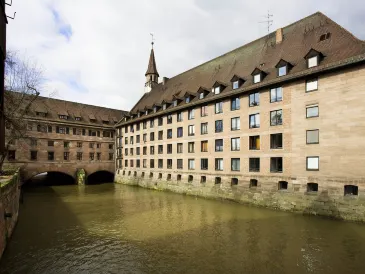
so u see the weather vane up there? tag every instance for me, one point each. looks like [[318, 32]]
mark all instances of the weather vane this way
[[152, 39]]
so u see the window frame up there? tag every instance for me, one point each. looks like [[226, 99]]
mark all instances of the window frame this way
[[276, 118], [238, 148], [218, 164], [203, 125], [312, 157], [311, 106], [310, 81], [273, 135], [235, 101], [215, 145], [282, 165], [255, 124], [254, 103], [306, 136], [239, 164], [238, 124], [256, 167], [215, 126], [220, 107], [276, 94]]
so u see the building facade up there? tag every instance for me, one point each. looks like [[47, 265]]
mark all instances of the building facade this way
[[63, 136], [277, 123], [3, 23]]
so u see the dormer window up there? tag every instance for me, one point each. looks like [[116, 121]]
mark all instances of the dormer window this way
[[146, 112], [64, 117], [154, 109], [313, 62], [77, 118], [203, 92], [283, 67], [164, 106], [282, 71], [235, 85], [187, 99], [257, 78], [258, 75], [237, 82], [216, 90], [139, 114], [218, 87], [201, 95], [313, 58], [174, 103]]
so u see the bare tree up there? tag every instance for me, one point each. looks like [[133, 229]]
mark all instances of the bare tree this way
[[23, 83]]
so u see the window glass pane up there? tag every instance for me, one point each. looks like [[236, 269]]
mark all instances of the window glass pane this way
[[312, 111], [282, 71], [312, 85], [312, 136], [312, 163], [235, 85], [257, 78], [313, 61]]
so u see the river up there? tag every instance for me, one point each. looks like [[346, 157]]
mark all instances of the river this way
[[112, 228]]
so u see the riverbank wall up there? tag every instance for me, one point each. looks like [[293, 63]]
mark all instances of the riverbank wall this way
[[325, 197], [9, 207]]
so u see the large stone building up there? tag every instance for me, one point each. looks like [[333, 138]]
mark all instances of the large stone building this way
[[278, 122], [66, 137]]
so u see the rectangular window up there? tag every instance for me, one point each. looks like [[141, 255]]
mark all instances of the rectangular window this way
[[179, 148], [179, 164], [219, 164], [111, 156], [131, 163], [276, 164], [50, 155], [126, 163], [79, 156], [276, 94], [257, 78], [201, 95], [144, 163], [152, 163], [276, 141], [66, 156], [138, 139], [152, 150], [254, 99], [235, 123], [11, 155], [254, 142], [191, 114], [179, 132], [313, 61], [187, 100], [254, 165], [169, 134], [235, 103], [152, 136], [169, 149], [282, 71], [235, 144], [160, 135], [66, 144], [138, 163], [276, 117], [219, 126], [204, 164], [138, 126], [179, 116], [218, 107], [254, 120], [204, 128], [160, 149], [138, 151], [191, 147], [235, 85], [219, 145], [152, 123], [169, 163], [191, 130], [312, 111], [145, 137], [313, 163], [132, 140], [217, 90], [91, 145], [91, 156], [145, 125], [313, 136], [169, 119], [33, 155], [126, 140], [144, 150], [160, 121], [204, 111], [235, 164], [131, 150], [311, 85], [160, 163], [50, 143], [191, 163], [204, 146]]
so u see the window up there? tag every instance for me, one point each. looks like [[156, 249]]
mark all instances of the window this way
[[66, 156], [254, 99], [144, 124], [178, 178], [98, 145], [351, 190], [235, 85], [169, 148], [235, 103], [276, 164], [152, 150], [282, 71], [313, 163], [179, 132], [219, 126], [138, 139], [179, 164], [160, 149], [66, 144], [144, 150], [152, 123], [169, 119], [164, 106], [111, 156], [257, 78], [254, 165], [160, 121], [191, 147], [217, 180], [64, 117], [276, 117], [253, 183], [283, 185], [187, 100], [312, 111], [191, 163], [217, 90], [179, 116], [91, 145], [219, 145], [144, 163], [49, 129], [218, 107], [204, 146], [313, 136], [160, 135], [138, 164], [33, 142], [276, 94], [152, 164], [138, 151], [254, 120], [313, 61], [235, 164], [219, 164], [190, 178], [179, 148], [169, 134], [50, 155], [201, 95], [311, 85], [312, 187], [204, 128], [204, 111], [204, 164], [145, 137], [235, 144], [131, 163], [138, 126], [33, 155], [276, 141], [191, 114], [235, 123], [50, 143], [174, 103], [152, 136], [169, 163], [160, 163], [79, 156], [191, 130], [91, 156], [254, 142], [234, 181]]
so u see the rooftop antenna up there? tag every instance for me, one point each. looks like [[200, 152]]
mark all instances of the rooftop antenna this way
[[152, 39], [269, 21]]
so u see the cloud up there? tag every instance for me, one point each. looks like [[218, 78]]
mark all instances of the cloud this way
[[97, 52]]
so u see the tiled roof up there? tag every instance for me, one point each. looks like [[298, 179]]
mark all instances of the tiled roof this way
[[263, 54]]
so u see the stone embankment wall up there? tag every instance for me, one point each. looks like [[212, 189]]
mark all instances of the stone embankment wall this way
[[328, 200], [9, 207]]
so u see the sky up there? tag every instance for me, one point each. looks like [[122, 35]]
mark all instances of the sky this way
[[96, 52]]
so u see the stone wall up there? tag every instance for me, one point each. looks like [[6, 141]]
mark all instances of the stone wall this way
[[9, 208], [328, 201]]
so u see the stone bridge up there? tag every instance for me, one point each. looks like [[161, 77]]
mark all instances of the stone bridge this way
[[29, 170]]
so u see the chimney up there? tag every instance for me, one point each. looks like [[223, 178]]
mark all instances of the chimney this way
[[164, 80], [279, 36]]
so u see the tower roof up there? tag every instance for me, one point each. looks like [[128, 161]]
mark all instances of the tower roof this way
[[152, 69]]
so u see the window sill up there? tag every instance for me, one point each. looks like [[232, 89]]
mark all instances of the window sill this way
[[254, 149], [235, 129], [254, 171], [276, 148], [273, 171]]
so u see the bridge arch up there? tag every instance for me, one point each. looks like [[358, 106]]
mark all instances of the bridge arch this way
[[50, 178], [29, 172], [99, 177]]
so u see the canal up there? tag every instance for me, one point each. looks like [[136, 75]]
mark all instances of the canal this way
[[121, 229]]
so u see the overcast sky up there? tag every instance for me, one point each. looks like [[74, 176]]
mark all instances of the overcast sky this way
[[96, 52]]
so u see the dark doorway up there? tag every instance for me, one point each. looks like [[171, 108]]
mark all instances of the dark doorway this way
[[100, 177], [50, 179]]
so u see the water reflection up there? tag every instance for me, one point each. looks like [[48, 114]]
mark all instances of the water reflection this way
[[120, 229]]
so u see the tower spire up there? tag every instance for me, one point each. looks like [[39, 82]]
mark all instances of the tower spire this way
[[151, 73]]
